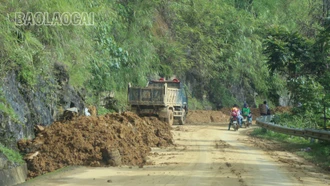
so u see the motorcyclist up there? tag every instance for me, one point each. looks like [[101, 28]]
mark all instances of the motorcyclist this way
[[239, 117], [233, 113], [247, 112]]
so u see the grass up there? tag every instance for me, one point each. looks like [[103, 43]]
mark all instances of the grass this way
[[195, 104], [6, 108], [319, 153], [103, 111], [11, 154]]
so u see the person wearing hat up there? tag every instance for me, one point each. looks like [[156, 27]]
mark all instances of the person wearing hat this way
[[247, 112]]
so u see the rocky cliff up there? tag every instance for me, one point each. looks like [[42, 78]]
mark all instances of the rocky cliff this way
[[26, 105]]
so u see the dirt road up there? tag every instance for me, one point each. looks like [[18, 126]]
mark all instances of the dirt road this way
[[204, 155]]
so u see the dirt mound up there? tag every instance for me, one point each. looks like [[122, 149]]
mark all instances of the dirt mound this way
[[207, 116], [95, 141], [255, 112], [282, 109]]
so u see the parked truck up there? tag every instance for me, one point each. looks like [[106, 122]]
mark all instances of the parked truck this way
[[165, 99]]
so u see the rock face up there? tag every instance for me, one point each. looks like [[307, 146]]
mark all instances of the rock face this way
[[41, 104], [11, 173], [26, 106]]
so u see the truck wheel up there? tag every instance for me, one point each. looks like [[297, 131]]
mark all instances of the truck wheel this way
[[182, 119], [170, 117]]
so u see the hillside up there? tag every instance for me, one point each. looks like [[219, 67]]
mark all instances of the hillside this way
[[57, 54]]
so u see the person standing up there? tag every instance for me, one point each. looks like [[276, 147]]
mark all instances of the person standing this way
[[267, 108], [264, 109]]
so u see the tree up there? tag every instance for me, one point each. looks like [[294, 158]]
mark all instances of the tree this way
[[305, 64]]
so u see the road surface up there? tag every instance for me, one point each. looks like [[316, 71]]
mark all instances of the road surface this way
[[204, 155]]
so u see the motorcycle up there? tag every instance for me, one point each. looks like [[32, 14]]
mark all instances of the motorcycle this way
[[247, 121], [234, 123]]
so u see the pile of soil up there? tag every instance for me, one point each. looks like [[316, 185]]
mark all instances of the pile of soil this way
[[223, 115], [282, 109], [109, 140], [206, 116]]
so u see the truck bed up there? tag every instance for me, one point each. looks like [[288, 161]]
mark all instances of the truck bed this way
[[157, 96]]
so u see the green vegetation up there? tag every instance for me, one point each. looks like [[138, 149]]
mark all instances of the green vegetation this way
[[318, 153], [12, 155], [6, 109], [303, 61], [305, 120], [225, 50], [195, 104], [210, 45]]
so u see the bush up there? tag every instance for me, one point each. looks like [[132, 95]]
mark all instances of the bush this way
[[11, 154], [319, 153]]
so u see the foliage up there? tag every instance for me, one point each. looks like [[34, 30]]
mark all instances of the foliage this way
[[304, 63], [219, 94], [259, 132], [226, 51], [222, 48], [214, 46], [103, 111], [6, 109], [300, 120], [319, 153], [195, 104], [286, 52], [11, 154]]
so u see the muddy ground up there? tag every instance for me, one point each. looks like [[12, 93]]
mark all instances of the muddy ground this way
[[109, 140], [208, 116], [203, 155]]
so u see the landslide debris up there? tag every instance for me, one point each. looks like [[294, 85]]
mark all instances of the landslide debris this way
[[206, 116], [109, 140], [223, 115]]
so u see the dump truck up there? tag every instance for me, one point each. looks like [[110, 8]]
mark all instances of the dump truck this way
[[165, 99]]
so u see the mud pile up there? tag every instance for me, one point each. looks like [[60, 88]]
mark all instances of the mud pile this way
[[282, 109], [208, 116], [94, 141]]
